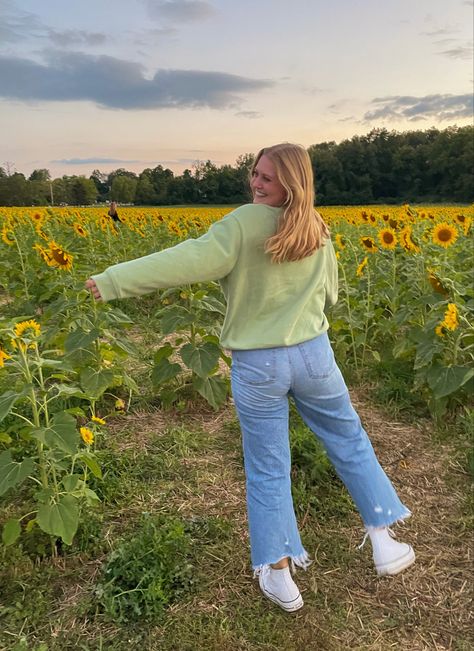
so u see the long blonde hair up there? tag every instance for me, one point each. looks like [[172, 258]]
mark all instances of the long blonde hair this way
[[301, 230]]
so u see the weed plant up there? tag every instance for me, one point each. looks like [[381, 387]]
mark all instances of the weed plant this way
[[147, 572], [155, 567]]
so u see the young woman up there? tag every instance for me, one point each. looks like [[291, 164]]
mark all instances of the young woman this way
[[112, 212], [278, 271]]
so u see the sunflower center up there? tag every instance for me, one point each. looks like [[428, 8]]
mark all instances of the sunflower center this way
[[444, 235]]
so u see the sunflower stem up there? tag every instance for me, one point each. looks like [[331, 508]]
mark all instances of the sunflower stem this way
[[367, 310], [349, 314], [23, 269]]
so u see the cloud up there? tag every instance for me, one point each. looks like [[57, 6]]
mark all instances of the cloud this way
[[440, 107], [145, 37], [91, 161], [442, 31], [118, 84], [249, 114], [180, 11], [73, 37], [451, 45], [17, 25], [14, 25], [459, 52]]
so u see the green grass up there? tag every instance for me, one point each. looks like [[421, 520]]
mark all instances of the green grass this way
[[185, 470]]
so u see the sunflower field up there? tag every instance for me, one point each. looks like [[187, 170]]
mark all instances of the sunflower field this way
[[68, 363]]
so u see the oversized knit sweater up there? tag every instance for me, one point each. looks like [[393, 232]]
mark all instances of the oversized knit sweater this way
[[268, 304]]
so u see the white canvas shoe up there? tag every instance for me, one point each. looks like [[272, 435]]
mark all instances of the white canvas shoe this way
[[390, 556], [279, 587]]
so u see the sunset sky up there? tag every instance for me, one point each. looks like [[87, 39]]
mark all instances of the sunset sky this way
[[103, 84]]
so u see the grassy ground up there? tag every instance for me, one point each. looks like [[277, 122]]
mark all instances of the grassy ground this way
[[189, 466]]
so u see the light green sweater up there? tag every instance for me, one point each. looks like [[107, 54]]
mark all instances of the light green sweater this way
[[268, 304]]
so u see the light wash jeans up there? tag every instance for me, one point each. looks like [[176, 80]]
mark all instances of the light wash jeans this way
[[262, 381]]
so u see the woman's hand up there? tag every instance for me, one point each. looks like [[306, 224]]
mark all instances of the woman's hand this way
[[92, 287]]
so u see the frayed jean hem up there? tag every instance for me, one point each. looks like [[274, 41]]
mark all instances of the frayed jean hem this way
[[303, 561], [390, 520]]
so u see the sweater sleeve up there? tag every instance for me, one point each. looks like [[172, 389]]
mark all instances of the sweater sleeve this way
[[332, 285], [209, 257]]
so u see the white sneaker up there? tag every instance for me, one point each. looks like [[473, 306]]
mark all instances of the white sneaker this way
[[280, 588], [390, 556]]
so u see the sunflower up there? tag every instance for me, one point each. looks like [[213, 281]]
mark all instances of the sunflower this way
[[466, 225], [119, 404], [451, 321], [62, 258], [96, 419], [37, 220], [444, 234], [40, 232], [87, 435], [407, 241], [174, 228], [368, 243], [8, 236], [436, 283], [361, 267], [31, 328], [340, 241], [3, 357], [387, 238], [44, 254], [80, 230], [439, 330]]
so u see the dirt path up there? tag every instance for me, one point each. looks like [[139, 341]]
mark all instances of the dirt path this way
[[426, 607], [433, 600]]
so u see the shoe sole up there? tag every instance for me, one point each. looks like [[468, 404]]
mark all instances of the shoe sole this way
[[390, 569], [289, 607]]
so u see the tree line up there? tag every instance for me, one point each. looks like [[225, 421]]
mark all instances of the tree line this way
[[380, 167]]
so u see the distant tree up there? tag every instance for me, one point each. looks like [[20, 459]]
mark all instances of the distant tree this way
[[82, 191], [121, 171], [61, 192], [40, 192], [190, 184], [328, 173], [40, 175], [206, 175], [15, 190], [161, 178], [145, 193], [123, 189], [100, 181], [243, 165]]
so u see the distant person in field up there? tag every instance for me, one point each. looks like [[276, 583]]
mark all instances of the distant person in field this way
[[276, 264], [113, 212]]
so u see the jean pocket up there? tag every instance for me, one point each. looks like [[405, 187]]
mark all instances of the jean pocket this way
[[254, 366], [318, 357]]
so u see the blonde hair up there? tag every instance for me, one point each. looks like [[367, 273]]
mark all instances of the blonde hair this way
[[301, 230]]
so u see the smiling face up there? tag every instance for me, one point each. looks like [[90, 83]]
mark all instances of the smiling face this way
[[265, 186]]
